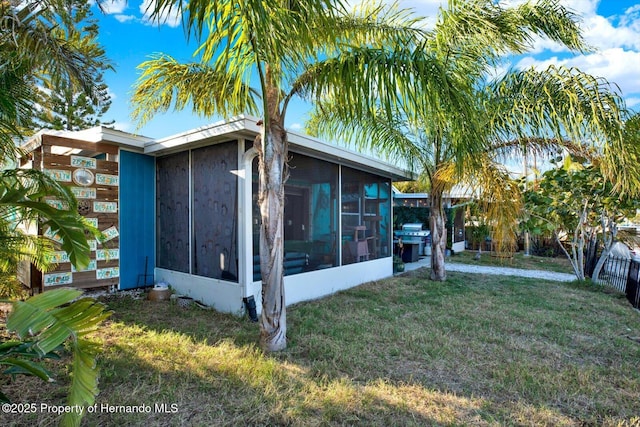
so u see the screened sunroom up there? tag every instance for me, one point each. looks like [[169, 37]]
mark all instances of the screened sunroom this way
[[200, 197]]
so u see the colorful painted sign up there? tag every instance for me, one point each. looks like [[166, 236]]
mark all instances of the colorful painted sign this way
[[107, 273], [58, 257], [58, 204], [83, 162], [55, 237], [104, 179], [56, 279], [107, 254], [84, 193], [91, 267], [105, 207], [110, 233], [58, 175], [93, 245], [92, 221]]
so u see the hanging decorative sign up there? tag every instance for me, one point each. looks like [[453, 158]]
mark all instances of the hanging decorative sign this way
[[58, 204], [53, 236], [107, 273], [110, 233], [91, 267], [92, 221], [58, 257], [104, 179], [58, 279], [84, 193], [83, 162], [107, 254], [58, 175], [105, 207], [93, 245], [83, 177]]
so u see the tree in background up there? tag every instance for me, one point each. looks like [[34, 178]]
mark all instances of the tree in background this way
[[63, 104], [582, 207], [452, 143], [31, 47], [287, 48]]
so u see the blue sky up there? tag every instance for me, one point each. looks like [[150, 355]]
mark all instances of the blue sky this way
[[611, 27]]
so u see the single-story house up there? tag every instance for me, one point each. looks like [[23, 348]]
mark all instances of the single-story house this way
[[182, 210]]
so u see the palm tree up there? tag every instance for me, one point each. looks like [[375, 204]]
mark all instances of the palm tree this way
[[536, 111], [293, 48]]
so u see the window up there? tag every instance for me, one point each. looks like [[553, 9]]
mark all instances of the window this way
[[366, 209], [310, 215], [312, 209]]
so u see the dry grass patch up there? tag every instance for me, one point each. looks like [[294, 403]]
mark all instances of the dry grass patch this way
[[476, 350]]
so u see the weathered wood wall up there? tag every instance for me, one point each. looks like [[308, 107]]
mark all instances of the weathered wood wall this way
[[60, 157]]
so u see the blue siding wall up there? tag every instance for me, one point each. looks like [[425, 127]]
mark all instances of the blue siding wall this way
[[137, 218]]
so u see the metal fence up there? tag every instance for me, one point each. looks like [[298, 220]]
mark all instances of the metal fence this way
[[624, 275], [633, 284]]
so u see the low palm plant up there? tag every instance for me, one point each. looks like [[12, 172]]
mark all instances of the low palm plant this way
[[42, 324]]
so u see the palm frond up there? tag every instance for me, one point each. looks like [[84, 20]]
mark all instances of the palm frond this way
[[389, 137], [49, 319], [21, 200], [495, 192], [373, 24], [166, 84], [28, 35], [478, 33], [566, 105]]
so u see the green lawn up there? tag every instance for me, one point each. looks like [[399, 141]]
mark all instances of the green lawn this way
[[476, 350]]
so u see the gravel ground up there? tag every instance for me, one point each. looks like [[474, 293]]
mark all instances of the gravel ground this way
[[503, 271]]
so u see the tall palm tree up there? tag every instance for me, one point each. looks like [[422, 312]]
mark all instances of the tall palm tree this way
[[289, 48], [528, 110]]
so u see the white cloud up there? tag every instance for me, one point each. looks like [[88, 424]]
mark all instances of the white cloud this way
[[172, 19], [601, 33], [125, 18], [296, 126], [114, 7], [582, 7], [117, 7], [616, 65]]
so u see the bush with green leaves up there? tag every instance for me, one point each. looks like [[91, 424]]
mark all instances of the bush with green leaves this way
[[579, 206], [41, 325]]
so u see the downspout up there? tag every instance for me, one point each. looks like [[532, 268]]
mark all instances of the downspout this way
[[245, 235]]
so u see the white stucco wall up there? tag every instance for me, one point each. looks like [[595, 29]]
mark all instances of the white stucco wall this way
[[223, 296], [320, 283], [227, 297]]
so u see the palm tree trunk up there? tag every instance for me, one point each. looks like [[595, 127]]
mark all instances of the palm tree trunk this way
[[273, 153], [438, 235]]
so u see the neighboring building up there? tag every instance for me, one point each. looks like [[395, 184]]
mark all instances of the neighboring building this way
[[182, 210]]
